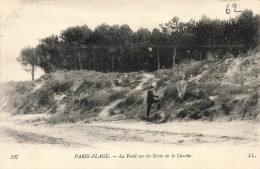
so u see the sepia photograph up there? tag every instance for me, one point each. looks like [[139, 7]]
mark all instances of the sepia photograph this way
[[129, 84]]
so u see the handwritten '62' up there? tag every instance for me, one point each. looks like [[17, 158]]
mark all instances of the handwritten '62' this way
[[229, 10]]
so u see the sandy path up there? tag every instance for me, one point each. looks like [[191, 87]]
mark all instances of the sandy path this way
[[97, 133], [44, 145]]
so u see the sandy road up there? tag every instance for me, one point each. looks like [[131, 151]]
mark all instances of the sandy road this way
[[94, 134], [45, 143]]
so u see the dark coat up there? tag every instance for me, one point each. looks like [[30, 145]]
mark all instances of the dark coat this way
[[150, 97]]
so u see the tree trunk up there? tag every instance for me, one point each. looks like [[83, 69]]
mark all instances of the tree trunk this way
[[120, 65], [75, 62], [200, 55], [158, 58], [94, 58], [113, 60], [102, 63], [32, 72], [79, 60], [174, 55]]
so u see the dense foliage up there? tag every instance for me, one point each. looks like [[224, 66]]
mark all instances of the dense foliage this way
[[118, 48]]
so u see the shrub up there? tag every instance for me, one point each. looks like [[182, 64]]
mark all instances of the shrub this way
[[170, 92], [58, 76], [60, 86], [134, 98], [193, 92], [192, 68], [24, 87], [126, 82], [93, 101], [98, 100], [117, 94], [45, 97], [196, 110]]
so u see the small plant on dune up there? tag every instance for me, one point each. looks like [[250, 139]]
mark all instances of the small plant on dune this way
[[58, 76], [117, 94], [134, 98], [63, 118], [98, 100], [44, 96], [59, 87], [193, 92], [170, 93], [24, 87]]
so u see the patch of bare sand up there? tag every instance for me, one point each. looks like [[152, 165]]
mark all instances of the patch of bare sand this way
[[41, 145], [44, 145], [173, 133]]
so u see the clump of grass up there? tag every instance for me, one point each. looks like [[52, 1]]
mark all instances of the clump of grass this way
[[63, 118], [101, 99], [185, 69], [59, 87], [97, 79], [35, 120], [21, 87], [97, 100], [132, 106], [193, 92], [58, 76], [190, 68], [41, 98], [196, 110], [170, 93], [117, 94], [134, 98], [126, 81]]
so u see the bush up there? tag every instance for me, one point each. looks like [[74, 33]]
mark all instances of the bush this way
[[93, 78], [170, 92], [59, 86], [98, 100], [134, 98], [192, 69], [117, 94], [196, 110], [126, 82], [24, 87], [193, 92], [45, 98]]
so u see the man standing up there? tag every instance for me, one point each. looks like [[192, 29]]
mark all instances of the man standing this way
[[151, 99]]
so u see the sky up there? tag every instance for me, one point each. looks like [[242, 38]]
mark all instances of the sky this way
[[24, 22]]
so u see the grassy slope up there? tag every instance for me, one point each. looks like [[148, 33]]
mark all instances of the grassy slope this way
[[214, 89], [193, 90], [73, 95]]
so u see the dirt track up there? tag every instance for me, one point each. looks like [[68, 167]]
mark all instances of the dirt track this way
[[45, 145], [94, 134]]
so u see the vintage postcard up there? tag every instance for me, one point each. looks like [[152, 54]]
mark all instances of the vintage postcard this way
[[129, 84]]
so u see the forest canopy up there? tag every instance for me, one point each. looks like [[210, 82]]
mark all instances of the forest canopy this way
[[118, 48]]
